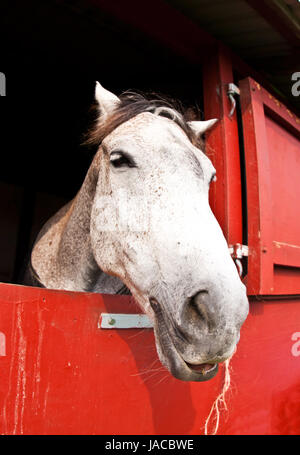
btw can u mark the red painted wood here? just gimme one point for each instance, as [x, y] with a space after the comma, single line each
[284, 116]
[272, 155]
[285, 254]
[63, 375]
[259, 196]
[222, 145]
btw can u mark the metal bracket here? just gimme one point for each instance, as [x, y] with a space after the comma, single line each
[238, 251]
[232, 90]
[124, 321]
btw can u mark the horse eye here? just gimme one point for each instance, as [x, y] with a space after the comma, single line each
[120, 159]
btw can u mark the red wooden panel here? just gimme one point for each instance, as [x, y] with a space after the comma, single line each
[222, 145]
[61, 374]
[272, 156]
[286, 254]
[284, 148]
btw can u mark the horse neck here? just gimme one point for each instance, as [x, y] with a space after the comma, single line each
[62, 256]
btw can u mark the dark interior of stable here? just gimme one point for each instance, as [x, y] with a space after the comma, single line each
[52, 56]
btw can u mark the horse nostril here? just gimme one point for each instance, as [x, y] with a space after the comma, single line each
[200, 297]
[198, 303]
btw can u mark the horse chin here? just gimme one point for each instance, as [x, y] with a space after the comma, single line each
[181, 369]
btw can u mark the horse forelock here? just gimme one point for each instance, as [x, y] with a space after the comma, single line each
[133, 104]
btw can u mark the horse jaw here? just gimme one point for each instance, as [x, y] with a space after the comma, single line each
[107, 101]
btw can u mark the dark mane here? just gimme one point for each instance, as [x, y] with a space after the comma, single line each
[131, 105]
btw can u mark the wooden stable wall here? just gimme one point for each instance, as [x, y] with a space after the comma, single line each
[62, 374]
[270, 146]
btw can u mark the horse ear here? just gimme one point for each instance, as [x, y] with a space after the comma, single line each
[200, 128]
[106, 100]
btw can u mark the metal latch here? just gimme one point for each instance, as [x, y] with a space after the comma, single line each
[232, 90]
[238, 251]
[124, 321]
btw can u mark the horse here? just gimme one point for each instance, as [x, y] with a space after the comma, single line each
[141, 223]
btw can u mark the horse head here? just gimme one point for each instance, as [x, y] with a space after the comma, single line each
[152, 226]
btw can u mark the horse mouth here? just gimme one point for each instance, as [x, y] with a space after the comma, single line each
[203, 368]
[198, 373]
[185, 371]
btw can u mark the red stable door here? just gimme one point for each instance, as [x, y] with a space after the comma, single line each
[62, 373]
[272, 159]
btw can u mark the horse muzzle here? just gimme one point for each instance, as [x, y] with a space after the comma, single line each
[186, 358]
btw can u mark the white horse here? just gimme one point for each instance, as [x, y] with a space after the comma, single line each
[142, 219]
